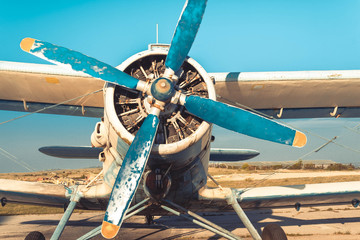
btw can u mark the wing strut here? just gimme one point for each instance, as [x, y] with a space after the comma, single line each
[202, 222]
[232, 200]
[75, 198]
[76, 195]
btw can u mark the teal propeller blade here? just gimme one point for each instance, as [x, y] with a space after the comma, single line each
[185, 32]
[78, 62]
[129, 175]
[242, 121]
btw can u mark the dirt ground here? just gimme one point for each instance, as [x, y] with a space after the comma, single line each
[330, 223]
[310, 223]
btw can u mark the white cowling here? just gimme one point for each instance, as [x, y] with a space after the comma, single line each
[115, 138]
[99, 136]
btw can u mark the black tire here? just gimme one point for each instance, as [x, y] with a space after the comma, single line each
[149, 219]
[35, 236]
[273, 231]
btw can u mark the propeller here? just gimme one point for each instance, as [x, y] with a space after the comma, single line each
[163, 92]
[130, 174]
[184, 36]
[79, 62]
[242, 121]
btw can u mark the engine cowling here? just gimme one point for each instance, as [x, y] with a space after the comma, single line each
[182, 140]
[178, 131]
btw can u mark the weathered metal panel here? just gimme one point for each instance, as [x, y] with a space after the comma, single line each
[297, 91]
[283, 196]
[33, 192]
[39, 83]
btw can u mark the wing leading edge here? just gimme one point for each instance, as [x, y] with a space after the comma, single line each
[33, 193]
[30, 87]
[212, 199]
[287, 196]
[297, 94]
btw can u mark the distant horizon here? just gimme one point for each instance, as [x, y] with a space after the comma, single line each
[250, 161]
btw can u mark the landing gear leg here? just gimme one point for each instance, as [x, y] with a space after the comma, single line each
[232, 200]
[75, 198]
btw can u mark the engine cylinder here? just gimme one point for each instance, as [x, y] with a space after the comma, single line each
[181, 136]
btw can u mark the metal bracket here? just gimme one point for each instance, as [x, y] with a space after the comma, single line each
[3, 201]
[355, 203]
[333, 113]
[25, 105]
[83, 110]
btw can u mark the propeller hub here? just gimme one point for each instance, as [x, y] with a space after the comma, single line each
[162, 89]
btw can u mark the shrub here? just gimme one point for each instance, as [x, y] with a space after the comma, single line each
[339, 167]
[309, 166]
[276, 167]
[245, 166]
[297, 165]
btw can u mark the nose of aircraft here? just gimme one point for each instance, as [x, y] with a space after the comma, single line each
[162, 89]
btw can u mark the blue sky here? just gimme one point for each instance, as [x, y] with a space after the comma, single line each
[234, 36]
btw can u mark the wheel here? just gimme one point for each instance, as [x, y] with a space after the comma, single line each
[35, 236]
[273, 231]
[4, 201]
[149, 219]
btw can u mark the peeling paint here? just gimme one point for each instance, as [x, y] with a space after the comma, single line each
[131, 171]
[52, 80]
[239, 120]
[185, 32]
[257, 86]
[334, 75]
[82, 63]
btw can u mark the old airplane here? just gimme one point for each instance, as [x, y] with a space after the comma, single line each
[154, 136]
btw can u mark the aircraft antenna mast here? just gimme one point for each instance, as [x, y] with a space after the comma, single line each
[157, 33]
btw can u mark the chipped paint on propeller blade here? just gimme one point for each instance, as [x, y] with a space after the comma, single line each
[242, 121]
[78, 62]
[129, 176]
[185, 32]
